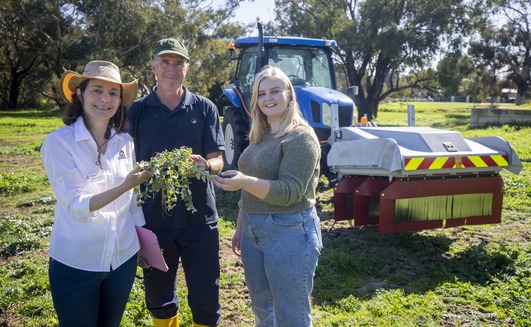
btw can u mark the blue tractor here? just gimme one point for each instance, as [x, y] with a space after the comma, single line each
[309, 65]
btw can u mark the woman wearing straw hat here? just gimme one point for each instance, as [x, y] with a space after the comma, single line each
[89, 163]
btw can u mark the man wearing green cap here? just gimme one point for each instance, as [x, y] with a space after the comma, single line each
[169, 118]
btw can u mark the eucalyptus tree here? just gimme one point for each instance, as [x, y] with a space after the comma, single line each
[506, 44]
[119, 31]
[32, 48]
[206, 32]
[380, 41]
[40, 39]
[451, 70]
[126, 32]
[486, 55]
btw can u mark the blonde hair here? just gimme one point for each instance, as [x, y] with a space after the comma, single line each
[292, 117]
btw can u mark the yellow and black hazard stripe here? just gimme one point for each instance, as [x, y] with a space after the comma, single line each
[457, 161]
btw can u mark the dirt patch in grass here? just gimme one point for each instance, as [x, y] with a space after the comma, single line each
[18, 164]
[9, 317]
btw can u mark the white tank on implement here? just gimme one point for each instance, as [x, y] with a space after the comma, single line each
[413, 151]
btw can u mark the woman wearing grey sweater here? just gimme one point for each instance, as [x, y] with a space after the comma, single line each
[278, 232]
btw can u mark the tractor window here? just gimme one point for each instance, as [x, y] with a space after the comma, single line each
[321, 69]
[303, 65]
[246, 73]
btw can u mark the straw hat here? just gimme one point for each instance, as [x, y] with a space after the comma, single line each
[98, 69]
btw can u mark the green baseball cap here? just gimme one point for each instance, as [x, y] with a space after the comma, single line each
[170, 45]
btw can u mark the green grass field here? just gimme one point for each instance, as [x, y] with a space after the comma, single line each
[463, 276]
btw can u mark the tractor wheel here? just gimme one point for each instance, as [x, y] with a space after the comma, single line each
[235, 130]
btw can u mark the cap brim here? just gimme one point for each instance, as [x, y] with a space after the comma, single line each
[171, 52]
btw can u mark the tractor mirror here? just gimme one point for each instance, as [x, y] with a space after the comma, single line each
[352, 90]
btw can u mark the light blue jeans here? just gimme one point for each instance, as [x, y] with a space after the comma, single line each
[279, 255]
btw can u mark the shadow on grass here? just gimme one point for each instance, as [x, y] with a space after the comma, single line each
[454, 122]
[227, 204]
[359, 261]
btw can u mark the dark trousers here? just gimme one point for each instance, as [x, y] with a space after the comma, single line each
[197, 247]
[88, 299]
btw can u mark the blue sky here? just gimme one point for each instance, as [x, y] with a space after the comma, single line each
[248, 11]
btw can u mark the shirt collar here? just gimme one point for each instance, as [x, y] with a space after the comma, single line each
[188, 98]
[187, 101]
[81, 132]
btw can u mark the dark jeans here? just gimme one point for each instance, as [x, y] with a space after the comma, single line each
[197, 247]
[86, 298]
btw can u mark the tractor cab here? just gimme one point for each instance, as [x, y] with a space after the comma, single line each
[308, 64]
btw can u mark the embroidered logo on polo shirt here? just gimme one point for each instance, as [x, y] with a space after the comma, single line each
[121, 155]
[193, 121]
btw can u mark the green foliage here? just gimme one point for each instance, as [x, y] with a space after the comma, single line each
[506, 289]
[372, 36]
[227, 204]
[452, 68]
[40, 310]
[22, 280]
[504, 46]
[387, 308]
[21, 234]
[69, 34]
[20, 150]
[172, 171]
[517, 189]
[136, 313]
[11, 184]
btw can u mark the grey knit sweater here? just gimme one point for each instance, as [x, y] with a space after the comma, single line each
[291, 164]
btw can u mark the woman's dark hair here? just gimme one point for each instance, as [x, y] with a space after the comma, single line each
[119, 121]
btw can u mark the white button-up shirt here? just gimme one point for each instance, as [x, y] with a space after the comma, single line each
[92, 241]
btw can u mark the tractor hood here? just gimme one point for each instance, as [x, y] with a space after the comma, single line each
[321, 94]
[319, 101]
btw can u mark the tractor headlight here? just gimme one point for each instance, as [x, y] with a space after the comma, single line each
[326, 114]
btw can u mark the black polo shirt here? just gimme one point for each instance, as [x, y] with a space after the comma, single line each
[194, 123]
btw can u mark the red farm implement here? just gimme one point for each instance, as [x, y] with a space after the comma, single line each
[414, 178]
